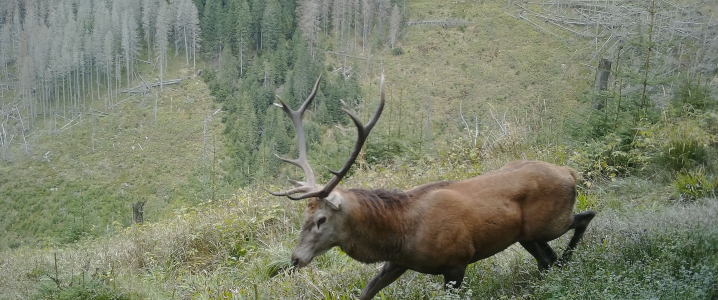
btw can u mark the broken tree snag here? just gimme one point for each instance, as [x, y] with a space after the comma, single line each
[138, 212]
[604, 69]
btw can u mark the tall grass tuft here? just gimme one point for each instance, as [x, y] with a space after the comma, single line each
[684, 154]
[694, 185]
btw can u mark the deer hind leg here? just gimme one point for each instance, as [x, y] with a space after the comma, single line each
[542, 252]
[388, 274]
[579, 225]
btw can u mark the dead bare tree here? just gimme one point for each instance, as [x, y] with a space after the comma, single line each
[494, 137]
[394, 25]
[473, 135]
[309, 21]
[5, 142]
[208, 137]
[25, 147]
[612, 23]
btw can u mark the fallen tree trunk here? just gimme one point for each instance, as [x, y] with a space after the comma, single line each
[146, 87]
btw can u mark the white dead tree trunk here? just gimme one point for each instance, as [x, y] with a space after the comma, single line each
[4, 143]
[24, 139]
[473, 135]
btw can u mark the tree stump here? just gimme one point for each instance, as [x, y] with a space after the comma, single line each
[604, 69]
[137, 212]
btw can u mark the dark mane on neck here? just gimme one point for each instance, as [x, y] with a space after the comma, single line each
[384, 204]
[380, 200]
[380, 221]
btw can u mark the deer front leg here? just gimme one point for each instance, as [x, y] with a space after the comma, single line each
[453, 276]
[388, 274]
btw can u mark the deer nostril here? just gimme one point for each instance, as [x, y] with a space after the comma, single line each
[295, 262]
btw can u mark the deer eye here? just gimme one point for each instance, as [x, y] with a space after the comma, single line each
[321, 221]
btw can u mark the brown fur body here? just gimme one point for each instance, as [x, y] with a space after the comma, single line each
[442, 224]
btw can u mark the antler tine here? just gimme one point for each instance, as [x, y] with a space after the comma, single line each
[296, 183]
[297, 162]
[301, 161]
[288, 193]
[311, 95]
[362, 134]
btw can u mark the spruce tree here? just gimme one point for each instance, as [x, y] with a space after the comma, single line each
[270, 25]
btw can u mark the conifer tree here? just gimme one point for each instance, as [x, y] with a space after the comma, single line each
[229, 73]
[257, 12]
[302, 72]
[208, 23]
[244, 29]
[244, 134]
[270, 24]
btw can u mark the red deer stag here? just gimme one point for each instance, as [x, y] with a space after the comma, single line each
[435, 228]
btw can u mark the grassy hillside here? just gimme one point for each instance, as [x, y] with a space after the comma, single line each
[84, 178]
[641, 244]
[488, 62]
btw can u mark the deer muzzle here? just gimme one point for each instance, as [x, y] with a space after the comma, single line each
[300, 259]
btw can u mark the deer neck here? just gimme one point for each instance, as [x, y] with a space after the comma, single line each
[376, 222]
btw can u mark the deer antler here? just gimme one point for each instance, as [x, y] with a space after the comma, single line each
[301, 161]
[310, 188]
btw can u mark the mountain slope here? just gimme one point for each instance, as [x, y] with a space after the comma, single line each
[84, 179]
[481, 61]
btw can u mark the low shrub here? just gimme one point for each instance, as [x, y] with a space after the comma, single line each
[83, 289]
[613, 156]
[695, 185]
[692, 96]
[683, 154]
[585, 201]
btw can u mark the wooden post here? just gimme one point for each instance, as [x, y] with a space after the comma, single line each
[604, 69]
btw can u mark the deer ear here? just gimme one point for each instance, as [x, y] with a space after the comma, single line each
[334, 200]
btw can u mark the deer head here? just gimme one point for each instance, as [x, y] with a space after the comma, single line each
[323, 218]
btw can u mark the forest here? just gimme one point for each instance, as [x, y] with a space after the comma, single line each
[109, 105]
[258, 49]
